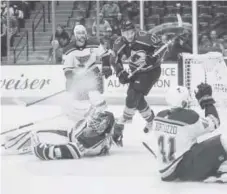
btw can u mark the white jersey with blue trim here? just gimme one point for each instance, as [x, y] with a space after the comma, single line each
[77, 57]
[176, 131]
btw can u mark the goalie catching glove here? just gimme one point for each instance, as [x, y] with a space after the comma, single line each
[204, 95]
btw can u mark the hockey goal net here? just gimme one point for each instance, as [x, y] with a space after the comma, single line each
[207, 68]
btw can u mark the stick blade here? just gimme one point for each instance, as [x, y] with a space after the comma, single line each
[19, 102]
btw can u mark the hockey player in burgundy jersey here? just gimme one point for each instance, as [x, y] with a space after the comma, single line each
[138, 47]
[176, 131]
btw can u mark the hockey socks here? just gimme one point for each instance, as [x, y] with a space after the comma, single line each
[127, 115]
[148, 115]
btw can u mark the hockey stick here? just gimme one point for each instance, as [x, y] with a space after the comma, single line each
[180, 24]
[44, 98]
[149, 149]
[30, 124]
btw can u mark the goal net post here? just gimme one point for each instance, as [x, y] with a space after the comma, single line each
[207, 68]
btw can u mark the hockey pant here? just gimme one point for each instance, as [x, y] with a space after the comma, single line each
[138, 88]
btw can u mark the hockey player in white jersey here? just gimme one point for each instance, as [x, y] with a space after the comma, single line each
[82, 75]
[176, 130]
[91, 135]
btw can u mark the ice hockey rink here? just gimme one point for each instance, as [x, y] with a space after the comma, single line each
[127, 170]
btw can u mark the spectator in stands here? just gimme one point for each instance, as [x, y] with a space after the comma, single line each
[110, 9]
[108, 33]
[25, 7]
[61, 40]
[225, 41]
[13, 23]
[60, 35]
[93, 5]
[129, 9]
[18, 15]
[216, 44]
[117, 22]
[204, 44]
[110, 36]
[3, 9]
[103, 26]
[3, 37]
[82, 5]
[181, 44]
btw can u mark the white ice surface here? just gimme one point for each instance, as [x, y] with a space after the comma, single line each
[128, 170]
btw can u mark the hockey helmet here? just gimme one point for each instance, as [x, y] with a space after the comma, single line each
[178, 97]
[128, 31]
[79, 28]
[127, 25]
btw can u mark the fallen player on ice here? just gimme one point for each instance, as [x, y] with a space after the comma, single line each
[93, 134]
[176, 130]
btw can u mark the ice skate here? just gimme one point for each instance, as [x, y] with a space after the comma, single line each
[220, 178]
[148, 127]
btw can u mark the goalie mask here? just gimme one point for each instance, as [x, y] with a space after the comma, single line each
[138, 58]
[178, 97]
[97, 124]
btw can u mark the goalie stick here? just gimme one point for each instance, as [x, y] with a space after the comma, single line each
[21, 102]
[180, 24]
[30, 124]
[45, 98]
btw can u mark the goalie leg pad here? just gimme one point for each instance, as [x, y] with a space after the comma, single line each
[19, 144]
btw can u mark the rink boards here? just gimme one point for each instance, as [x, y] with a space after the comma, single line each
[29, 83]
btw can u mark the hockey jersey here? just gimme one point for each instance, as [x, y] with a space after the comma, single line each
[143, 41]
[176, 131]
[76, 57]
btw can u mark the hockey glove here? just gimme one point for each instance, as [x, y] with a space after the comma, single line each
[118, 134]
[123, 77]
[107, 71]
[204, 95]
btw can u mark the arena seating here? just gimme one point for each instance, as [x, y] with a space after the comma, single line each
[156, 13]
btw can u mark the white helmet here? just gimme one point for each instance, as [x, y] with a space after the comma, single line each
[79, 28]
[178, 97]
